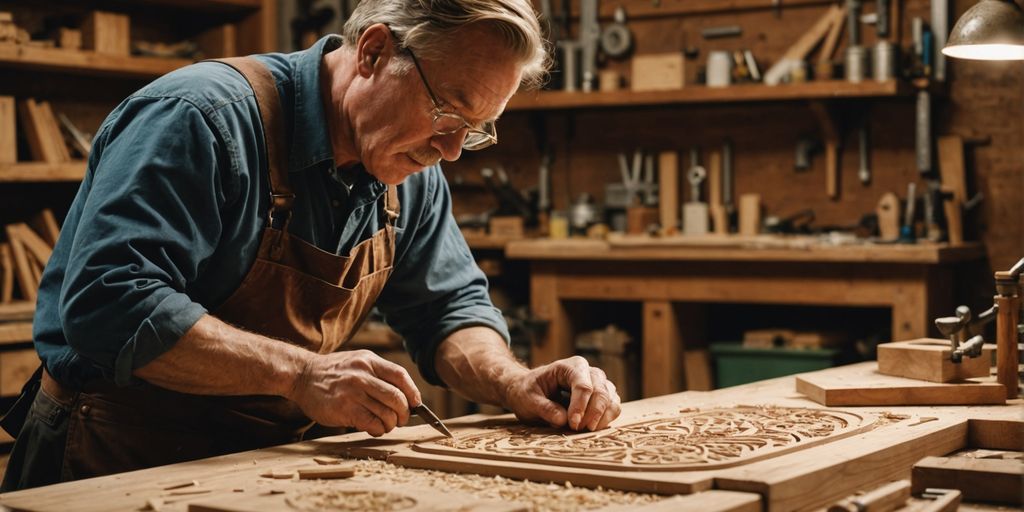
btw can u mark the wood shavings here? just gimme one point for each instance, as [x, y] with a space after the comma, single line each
[179, 485]
[278, 474]
[188, 492]
[923, 420]
[541, 496]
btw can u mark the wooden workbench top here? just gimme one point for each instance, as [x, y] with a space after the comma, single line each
[738, 248]
[791, 481]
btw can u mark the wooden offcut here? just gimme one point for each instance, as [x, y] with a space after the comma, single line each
[929, 359]
[750, 214]
[866, 386]
[8, 131]
[327, 473]
[668, 191]
[23, 265]
[988, 480]
[69, 38]
[954, 181]
[888, 211]
[658, 72]
[106, 32]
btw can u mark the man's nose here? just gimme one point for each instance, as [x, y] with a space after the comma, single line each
[450, 145]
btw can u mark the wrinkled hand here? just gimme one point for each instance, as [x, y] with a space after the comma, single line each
[356, 388]
[594, 404]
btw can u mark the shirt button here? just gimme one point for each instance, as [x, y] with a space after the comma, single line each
[85, 410]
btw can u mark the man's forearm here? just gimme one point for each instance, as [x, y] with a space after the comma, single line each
[214, 358]
[476, 363]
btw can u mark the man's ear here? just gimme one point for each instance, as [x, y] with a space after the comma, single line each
[373, 49]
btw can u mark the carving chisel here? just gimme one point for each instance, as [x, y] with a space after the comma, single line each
[428, 416]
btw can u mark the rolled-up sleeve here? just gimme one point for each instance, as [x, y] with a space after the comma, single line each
[149, 221]
[436, 287]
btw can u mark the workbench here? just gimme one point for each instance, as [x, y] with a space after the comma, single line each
[672, 277]
[799, 479]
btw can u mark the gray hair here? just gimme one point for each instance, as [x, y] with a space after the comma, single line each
[427, 25]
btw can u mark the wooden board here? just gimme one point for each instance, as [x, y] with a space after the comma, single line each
[54, 135]
[988, 480]
[34, 245]
[954, 180]
[691, 441]
[929, 359]
[868, 387]
[668, 190]
[8, 131]
[351, 497]
[23, 267]
[36, 132]
[707, 501]
[15, 332]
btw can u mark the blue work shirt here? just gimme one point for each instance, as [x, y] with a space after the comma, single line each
[168, 220]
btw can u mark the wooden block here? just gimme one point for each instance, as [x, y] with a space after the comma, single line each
[6, 273]
[988, 480]
[16, 366]
[888, 211]
[750, 214]
[22, 266]
[8, 131]
[56, 137]
[328, 473]
[668, 190]
[658, 72]
[929, 359]
[767, 338]
[609, 80]
[69, 38]
[639, 218]
[15, 332]
[865, 386]
[107, 32]
[506, 227]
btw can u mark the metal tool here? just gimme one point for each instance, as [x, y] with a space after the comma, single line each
[590, 39]
[882, 23]
[907, 230]
[616, 39]
[570, 64]
[958, 329]
[723, 31]
[428, 416]
[940, 27]
[923, 132]
[864, 173]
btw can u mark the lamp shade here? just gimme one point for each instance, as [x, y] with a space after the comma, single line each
[991, 30]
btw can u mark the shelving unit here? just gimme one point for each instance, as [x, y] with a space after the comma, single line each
[86, 62]
[41, 172]
[818, 90]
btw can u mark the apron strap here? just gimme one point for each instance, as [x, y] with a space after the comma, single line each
[391, 205]
[268, 102]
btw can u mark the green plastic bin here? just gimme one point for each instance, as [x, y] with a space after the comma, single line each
[737, 365]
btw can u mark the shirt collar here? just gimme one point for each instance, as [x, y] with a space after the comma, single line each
[310, 140]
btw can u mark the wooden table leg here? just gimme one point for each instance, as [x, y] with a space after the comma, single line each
[557, 342]
[668, 330]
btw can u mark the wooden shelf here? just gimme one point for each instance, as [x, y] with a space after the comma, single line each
[762, 248]
[822, 89]
[86, 62]
[204, 5]
[39, 172]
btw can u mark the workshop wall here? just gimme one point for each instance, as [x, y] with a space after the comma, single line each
[983, 100]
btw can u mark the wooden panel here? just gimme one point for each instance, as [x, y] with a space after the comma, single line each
[987, 480]
[867, 387]
[15, 368]
[929, 359]
[8, 131]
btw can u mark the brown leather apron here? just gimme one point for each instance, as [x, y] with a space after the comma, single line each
[294, 292]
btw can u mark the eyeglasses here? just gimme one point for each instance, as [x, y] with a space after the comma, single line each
[447, 123]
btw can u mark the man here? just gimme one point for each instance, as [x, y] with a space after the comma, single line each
[236, 225]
